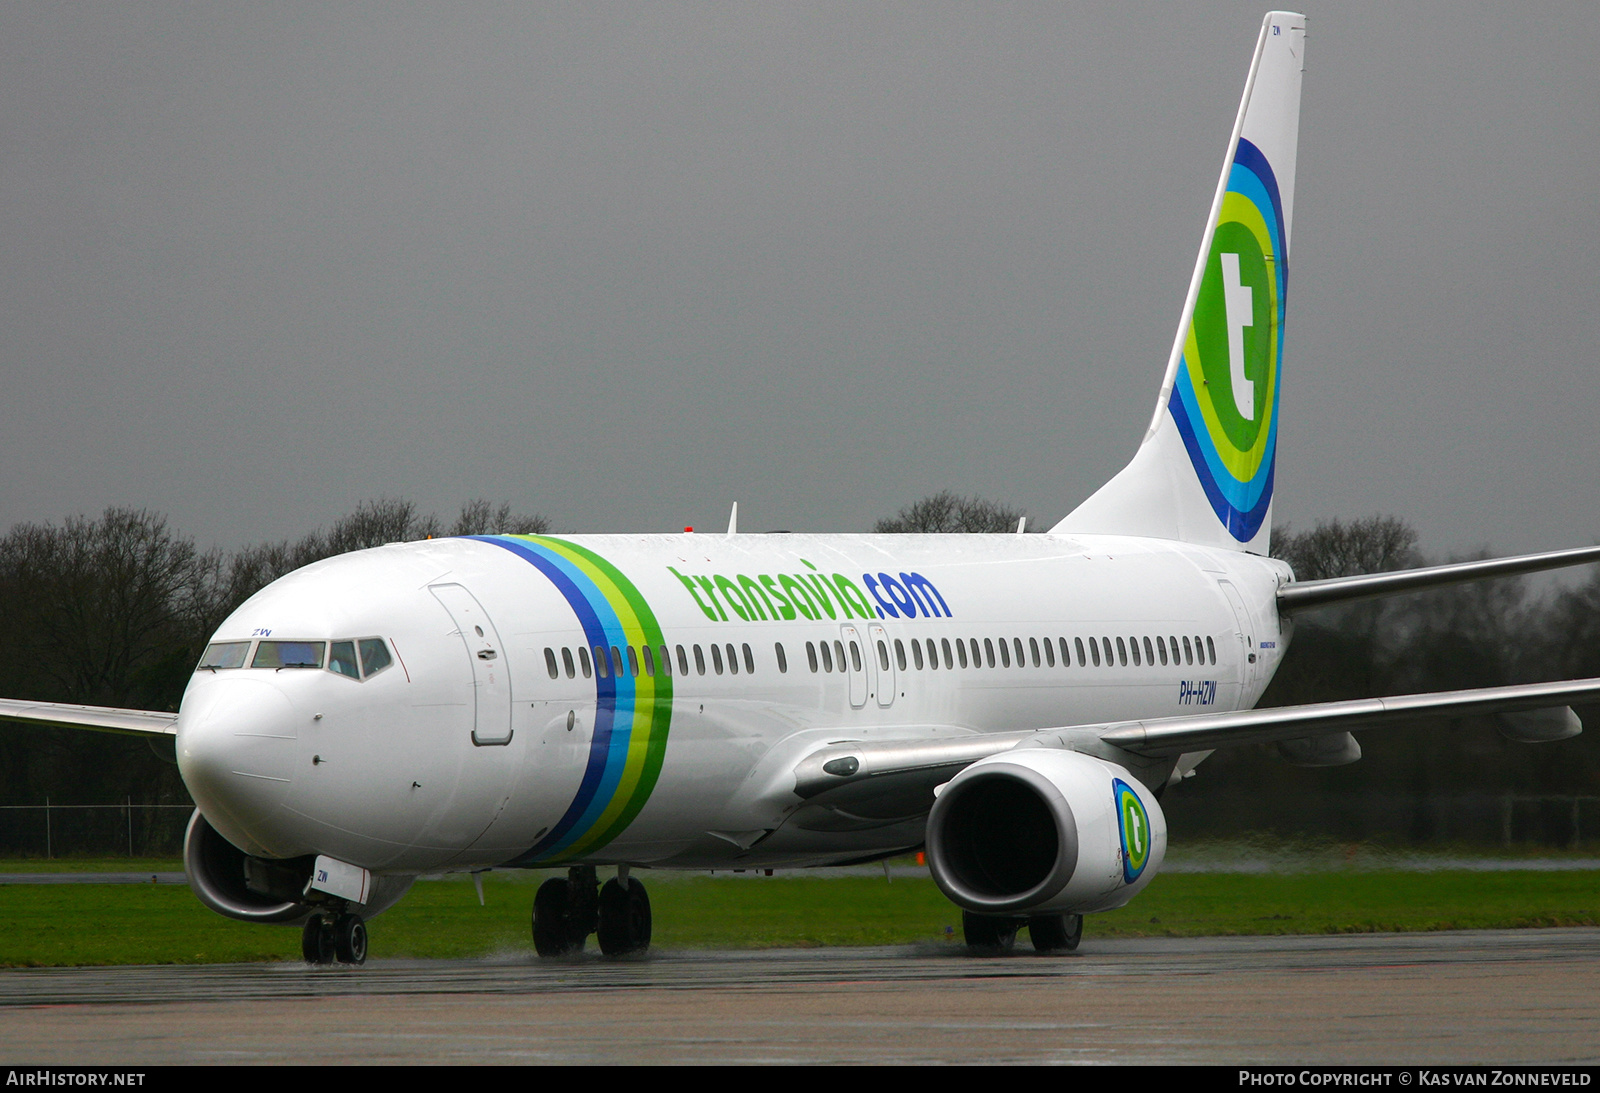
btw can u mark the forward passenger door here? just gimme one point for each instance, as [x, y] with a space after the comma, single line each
[490, 676]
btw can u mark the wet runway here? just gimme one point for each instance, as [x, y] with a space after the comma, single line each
[1523, 996]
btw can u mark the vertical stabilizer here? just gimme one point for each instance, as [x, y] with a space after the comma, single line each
[1205, 471]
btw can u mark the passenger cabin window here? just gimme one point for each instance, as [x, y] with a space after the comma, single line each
[583, 659]
[749, 659]
[783, 659]
[916, 653]
[700, 660]
[289, 654]
[566, 661]
[549, 661]
[716, 657]
[224, 654]
[1212, 650]
[811, 654]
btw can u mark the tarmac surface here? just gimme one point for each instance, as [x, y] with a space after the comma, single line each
[1515, 996]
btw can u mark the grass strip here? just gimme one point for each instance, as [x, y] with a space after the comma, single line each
[88, 924]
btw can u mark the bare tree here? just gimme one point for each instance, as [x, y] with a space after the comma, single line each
[948, 512]
[384, 520]
[479, 518]
[1334, 548]
[102, 611]
[94, 607]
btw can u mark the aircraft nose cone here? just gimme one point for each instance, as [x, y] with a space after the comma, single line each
[236, 740]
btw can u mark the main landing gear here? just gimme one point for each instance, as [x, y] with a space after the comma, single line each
[994, 935]
[566, 912]
[329, 938]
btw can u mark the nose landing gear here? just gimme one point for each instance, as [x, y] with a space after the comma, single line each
[566, 912]
[327, 938]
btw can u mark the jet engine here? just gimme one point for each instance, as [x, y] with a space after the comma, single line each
[1040, 830]
[253, 889]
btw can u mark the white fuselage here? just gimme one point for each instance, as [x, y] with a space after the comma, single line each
[509, 746]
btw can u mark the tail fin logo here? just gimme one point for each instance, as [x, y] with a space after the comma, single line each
[1225, 398]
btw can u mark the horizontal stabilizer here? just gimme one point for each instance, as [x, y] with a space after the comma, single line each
[61, 715]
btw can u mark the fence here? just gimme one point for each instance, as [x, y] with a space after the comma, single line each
[127, 829]
[1507, 820]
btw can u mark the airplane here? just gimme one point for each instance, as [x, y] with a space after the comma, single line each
[1014, 704]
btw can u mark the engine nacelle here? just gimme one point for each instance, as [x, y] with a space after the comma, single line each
[253, 889]
[1040, 830]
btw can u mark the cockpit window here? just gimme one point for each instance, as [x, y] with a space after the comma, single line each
[342, 659]
[288, 654]
[224, 654]
[374, 656]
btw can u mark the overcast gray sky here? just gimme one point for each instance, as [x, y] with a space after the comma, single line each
[623, 264]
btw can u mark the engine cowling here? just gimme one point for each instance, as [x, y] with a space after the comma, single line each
[253, 889]
[1040, 830]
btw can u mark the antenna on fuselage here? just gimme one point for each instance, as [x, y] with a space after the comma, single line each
[733, 520]
[1022, 524]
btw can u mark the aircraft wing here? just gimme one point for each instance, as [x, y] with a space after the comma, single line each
[1175, 735]
[863, 784]
[1303, 595]
[61, 715]
[896, 778]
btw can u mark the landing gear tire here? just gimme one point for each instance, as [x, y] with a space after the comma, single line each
[350, 939]
[990, 935]
[316, 941]
[624, 925]
[566, 912]
[1055, 933]
[551, 933]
